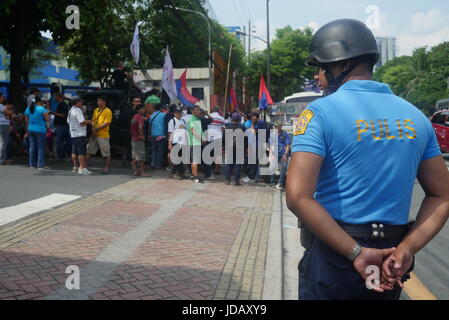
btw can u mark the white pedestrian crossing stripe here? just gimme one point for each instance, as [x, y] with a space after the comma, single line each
[20, 211]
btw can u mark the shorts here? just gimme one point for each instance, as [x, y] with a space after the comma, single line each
[96, 143]
[138, 150]
[195, 154]
[79, 146]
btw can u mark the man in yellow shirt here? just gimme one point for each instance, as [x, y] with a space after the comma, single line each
[99, 139]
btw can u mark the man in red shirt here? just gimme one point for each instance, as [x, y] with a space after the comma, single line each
[138, 141]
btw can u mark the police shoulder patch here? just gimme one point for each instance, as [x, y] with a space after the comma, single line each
[302, 122]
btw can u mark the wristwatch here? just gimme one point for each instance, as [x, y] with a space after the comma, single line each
[355, 252]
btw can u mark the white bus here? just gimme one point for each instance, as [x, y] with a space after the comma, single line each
[291, 108]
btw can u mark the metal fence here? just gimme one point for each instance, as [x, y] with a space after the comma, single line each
[44, 88]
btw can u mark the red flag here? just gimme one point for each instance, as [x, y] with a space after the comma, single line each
[234, 102]
[183, 93]
[264, 95]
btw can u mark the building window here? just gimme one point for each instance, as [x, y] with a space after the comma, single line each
[198, 93]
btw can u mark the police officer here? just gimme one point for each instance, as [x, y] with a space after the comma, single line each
[356, 155]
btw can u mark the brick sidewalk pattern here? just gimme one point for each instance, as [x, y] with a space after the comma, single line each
[151, 238]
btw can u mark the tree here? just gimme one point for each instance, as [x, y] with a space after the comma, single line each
[100, 43]
[289, 51]
[185, 33]
[21, 24]
[399, 78]
[421, 78]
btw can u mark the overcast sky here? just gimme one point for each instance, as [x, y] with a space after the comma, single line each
[414, 23]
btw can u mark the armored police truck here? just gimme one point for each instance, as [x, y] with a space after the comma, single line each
[119, 101]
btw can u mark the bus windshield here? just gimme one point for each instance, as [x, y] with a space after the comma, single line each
[302, 99]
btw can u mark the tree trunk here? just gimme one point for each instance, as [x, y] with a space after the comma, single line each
[18, 37]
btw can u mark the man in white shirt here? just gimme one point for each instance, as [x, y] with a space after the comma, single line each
[77, 123]
[177, 141]
[215, 132]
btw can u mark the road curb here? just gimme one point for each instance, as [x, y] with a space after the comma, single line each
[273, 279]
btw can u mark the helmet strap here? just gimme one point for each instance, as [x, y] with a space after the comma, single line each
[335, 83]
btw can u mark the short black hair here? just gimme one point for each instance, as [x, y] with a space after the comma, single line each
[102, 98]
[54, 89]
[254, 114]
[368, 60]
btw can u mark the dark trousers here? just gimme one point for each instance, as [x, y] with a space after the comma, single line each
[252, 171]
[4, 141]
[324, 274]
[231, 167]
[63, 142]
[178, 168]
[158, 153]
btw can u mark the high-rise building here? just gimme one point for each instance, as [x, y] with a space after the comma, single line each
[387, 49]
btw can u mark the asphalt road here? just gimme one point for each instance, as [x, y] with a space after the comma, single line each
[432, 263]
[19, 183]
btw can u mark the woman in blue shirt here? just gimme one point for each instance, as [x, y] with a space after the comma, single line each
[37, 119]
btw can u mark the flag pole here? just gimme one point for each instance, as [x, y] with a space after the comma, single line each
[227, 82]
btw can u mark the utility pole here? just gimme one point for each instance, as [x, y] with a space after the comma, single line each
[244, 39]
[268, 48]
[249, 41]
[249, 61]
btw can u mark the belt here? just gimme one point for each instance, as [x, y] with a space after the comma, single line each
[376, 231]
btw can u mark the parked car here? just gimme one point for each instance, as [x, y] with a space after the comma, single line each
[440, 123]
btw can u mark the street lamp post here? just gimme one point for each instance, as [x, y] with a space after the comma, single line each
[210, 46]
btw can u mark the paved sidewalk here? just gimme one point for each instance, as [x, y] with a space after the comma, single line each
[150, 238]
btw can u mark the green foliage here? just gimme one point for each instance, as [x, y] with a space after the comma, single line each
[95, 50]
[399, 77]
[106, 31]
[100, 43]
[289, 51]
[421, 79]
[439, 59]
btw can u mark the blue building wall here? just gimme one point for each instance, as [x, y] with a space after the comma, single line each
[47, 71]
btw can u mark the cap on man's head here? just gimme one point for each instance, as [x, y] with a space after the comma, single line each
[154, 100]
[177, 109]
[216, 109]
[236, 117]
[76, 99]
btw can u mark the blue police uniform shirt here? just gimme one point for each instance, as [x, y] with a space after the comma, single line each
[372, 143]
[158, 125]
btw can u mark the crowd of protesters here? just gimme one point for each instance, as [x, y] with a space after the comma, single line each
[157, 133]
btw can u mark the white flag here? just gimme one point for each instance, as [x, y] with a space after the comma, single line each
[135, 45]
[168, 78]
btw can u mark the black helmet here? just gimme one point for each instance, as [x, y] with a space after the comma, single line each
[340, 40]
